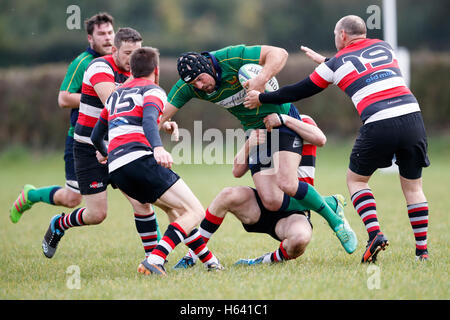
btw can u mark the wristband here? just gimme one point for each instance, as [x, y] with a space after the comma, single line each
[281, 118]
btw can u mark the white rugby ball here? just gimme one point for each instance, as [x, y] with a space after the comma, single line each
[250, 71]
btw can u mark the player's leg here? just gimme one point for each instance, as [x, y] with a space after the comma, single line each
[417, 206]
[300, 195]
[374, 148]
[411, 158]
[180, 198]
[296, 230]
[145, 222]
[93, 180]
[286, 164]
[238, 200]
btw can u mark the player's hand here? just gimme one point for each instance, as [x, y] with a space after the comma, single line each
[100, 158]
[162, 157]
[272, 121]
[257, 137]
[314, 56]
[171, 127]
[257, 83]
[251, 100]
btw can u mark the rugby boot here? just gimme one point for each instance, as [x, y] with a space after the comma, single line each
[374, 246]
[214, 266]
[423, 256]
[252, 262]
[52, 238]
[21, 204]
[344, 232]
[149, 268]
[186, 262]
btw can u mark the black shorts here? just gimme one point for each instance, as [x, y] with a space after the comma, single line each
[144, 179]
[269, 219]
[92, 176]
[378, 142]
[284, 139]
[69, 165]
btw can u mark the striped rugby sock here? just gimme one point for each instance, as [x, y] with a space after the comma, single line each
[208, 226]
[198, 246]
[277, 256]
[73, 219]
[418, 217]
[146, 227]
[364, 203]
[171, 238]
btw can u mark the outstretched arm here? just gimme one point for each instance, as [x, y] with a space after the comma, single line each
[290, 93]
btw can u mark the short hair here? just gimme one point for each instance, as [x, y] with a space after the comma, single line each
[126, 35]
[352, 25]
[143, 61]
[98, 19]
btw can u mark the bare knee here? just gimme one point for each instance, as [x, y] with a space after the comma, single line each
[94, 216]
[296, 245]
[229, 197]
[67, 198]
[288, 185]
[73, 200]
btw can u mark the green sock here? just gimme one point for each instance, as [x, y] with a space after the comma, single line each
[44, 194]
[158, 232]
[308, 196]
[297, 205]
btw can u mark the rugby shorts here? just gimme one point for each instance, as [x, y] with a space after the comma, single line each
[92, 176]
[378, 142]
[260, 157]
[144, 179]
[269, 219]
[69, 166]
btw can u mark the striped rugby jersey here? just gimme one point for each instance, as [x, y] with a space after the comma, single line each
[368, 72]
[307, 167]
[123, 113]
[102, 69]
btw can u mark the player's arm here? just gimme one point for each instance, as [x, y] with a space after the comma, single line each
[290, 93]
[68, 99]
[273, 59]
[240, 164]
[169, 112]
[153, 107]
[98, 136]
[307, 131]
[104, 90]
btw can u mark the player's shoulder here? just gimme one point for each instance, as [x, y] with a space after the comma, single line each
[81, 62]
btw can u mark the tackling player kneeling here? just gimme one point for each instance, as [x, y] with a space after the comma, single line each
[140, 166]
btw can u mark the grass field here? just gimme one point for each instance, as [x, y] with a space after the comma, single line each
[107, 255]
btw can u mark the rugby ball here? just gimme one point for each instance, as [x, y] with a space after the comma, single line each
[250, 71]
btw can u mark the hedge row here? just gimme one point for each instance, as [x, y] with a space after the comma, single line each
[31, 116]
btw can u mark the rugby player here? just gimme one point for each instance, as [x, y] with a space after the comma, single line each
[367, 71]
[100, 35]
[213, 76]
[293, 229]
[99, 81]
[140, 166]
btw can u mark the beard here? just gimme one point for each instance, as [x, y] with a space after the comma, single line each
[102, 49]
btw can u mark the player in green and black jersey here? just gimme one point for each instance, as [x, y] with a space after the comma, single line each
[213, 76]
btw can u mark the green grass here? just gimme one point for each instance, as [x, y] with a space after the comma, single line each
[108, 254]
